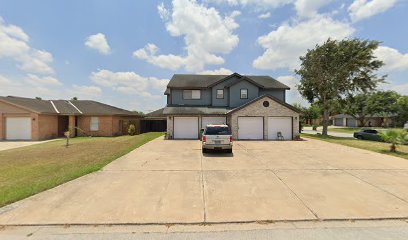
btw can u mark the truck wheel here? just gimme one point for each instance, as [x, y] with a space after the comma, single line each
[360, 137]
[204, 150]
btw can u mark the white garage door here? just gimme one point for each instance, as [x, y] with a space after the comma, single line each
[250, 127]
[212, 120]
[280, 124]
[186, 127]
[18, 128]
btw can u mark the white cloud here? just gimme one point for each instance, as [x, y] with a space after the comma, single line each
[98, 42]
[362, 9]
[45, 81]
[87, 91]
[14, 45]
[158, 84]
[292, 96]
[220, 71]
[264, 15]
[4, 80]
[205, 32]
[128, 82]
[108, 78]
[261, 4]
[163, 11]
[288, 42]
[170, 61]
[393, 59]
[401, 89]
[307, 8]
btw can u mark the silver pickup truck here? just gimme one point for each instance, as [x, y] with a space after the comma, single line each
[217, 137]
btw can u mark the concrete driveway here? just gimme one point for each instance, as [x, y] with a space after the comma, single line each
[173, 182]
[5, 145]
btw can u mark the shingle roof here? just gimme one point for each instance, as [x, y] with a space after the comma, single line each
[195, 110]
[96, 108]
[65, 107]
[157, 113]
[205, 81]
[35, 105]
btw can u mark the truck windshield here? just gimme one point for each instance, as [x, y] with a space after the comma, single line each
[217, 131]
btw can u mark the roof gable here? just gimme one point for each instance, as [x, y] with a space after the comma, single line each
[267, 96]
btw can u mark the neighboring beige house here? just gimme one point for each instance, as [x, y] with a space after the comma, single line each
[345, 120]
[35, 119]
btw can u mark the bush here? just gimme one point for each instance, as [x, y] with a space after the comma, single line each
[395, 138]
[314, 127]
[132, 130]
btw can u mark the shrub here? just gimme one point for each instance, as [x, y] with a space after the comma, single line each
[314, 127]
[132, 130]
[394, 137]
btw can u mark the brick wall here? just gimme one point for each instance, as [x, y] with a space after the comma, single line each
[257, 109]
[47, 126]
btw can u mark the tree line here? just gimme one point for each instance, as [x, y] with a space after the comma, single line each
[340, 76]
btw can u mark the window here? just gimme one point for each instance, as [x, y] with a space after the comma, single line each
[220, 93]
[265, 104]
[191, 94]
[94, 124]
[244, 93]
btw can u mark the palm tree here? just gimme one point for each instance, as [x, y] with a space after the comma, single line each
[394, 137]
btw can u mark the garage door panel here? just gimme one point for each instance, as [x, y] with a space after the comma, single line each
[18, 128]
[185, 127]
[250, 128]
[212, 120]
[280, 124]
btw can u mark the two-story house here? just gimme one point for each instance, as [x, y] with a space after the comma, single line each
[253, 106]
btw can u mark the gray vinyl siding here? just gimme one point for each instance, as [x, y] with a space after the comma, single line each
[177, 98]
[220, 102]
[235, 93]
[278, 93]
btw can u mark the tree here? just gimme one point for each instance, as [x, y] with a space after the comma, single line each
[38, 98]
[383, 103]
[357, 106]
[74, 99]
[402, 110]
[313, 112]
[337, 69]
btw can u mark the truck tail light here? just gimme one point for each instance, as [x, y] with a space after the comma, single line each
[231, 139]
[204, 138]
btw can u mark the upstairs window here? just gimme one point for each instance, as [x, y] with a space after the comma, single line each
[94, 124]
[220, 93]
[244, 93]
[191, 94]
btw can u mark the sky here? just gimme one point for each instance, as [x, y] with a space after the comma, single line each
[123, 52]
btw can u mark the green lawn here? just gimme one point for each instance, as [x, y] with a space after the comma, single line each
[29, 170]
[352, 130]
[380, 147]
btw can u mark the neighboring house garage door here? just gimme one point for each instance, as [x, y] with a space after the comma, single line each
[185, 127]
[351, 122]
[212, 120]
[280, 124]
[18, 128]
[250, 127]
[338, 122]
